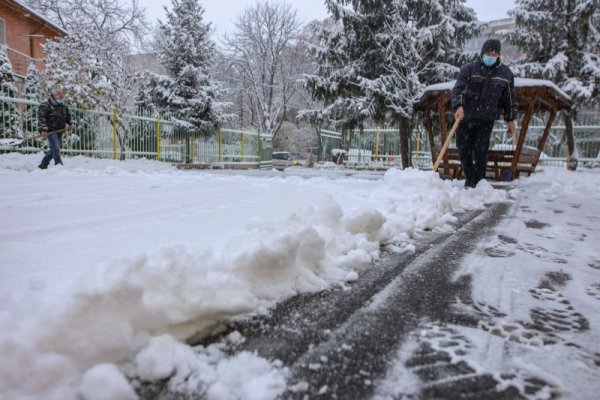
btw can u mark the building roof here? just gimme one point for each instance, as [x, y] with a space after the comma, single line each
[31, 11]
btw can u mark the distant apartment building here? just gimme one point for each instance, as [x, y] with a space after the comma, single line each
[144, 62]
[23, 31]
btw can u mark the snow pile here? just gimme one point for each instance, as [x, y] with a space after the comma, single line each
[208, 371]
[64, 346]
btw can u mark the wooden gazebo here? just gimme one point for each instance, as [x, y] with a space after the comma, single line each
[533, 96]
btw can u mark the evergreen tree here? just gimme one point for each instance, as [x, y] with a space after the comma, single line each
[9, 126]
[560, 41]
[34, 92]
[379, 54]
[142, 133]
[34, 85]
[187, 91]
[6, 74]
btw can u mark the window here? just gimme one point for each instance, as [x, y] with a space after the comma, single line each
[2, 32]
[281, 156]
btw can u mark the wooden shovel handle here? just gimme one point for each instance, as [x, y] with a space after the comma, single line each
[445, 146]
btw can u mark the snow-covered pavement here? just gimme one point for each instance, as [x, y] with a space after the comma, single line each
[534, 302]
[104, 264]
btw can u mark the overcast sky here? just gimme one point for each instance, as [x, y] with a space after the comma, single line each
[222, 13]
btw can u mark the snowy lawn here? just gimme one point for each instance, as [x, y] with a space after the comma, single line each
[106, 265]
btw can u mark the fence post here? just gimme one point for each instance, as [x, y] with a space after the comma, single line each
[260, 152]
[377, 133]
[192, 149]
[158, 137]
[242, 146]
[114, 128]
[320, 149]
[219, 138]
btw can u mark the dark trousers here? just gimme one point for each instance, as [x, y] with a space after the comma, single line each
[55, 141]
[472, 141]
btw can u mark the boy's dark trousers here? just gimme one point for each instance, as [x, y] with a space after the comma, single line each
[472, 141]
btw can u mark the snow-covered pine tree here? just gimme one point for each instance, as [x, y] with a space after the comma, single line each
[560, 41]
[153, 91]
[34, 91]
[9, 124]
[6, 73]
[34, 85]
[185, 50]
[142, 134]
[374, 60]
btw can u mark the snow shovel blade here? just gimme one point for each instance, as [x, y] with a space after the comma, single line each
[13, 142]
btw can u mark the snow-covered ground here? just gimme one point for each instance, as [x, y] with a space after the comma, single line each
[106, 265]
[536, 293]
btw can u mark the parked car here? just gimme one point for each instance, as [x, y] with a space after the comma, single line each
[283, 159]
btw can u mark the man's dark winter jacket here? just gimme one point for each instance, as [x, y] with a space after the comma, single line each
[53, 116]
[485, 93]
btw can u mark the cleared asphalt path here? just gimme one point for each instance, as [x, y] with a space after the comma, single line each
[339, 342]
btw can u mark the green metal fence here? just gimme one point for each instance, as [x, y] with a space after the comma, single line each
[328, 140]
[119, 135]
[375, 147]
[587, 143]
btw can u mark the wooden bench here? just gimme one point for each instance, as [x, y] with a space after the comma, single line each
[499, 165]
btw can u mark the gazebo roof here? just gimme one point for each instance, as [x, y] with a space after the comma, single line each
[546, 92]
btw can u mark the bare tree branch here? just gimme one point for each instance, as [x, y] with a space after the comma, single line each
[260, 47]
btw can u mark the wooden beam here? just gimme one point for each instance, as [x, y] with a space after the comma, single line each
[442, 116]
[551, 118]
[546, 100]
[429, 127]
[521, 141]
[571, 165]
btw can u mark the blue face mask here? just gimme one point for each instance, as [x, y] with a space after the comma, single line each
[59, 101]
[489, 61]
